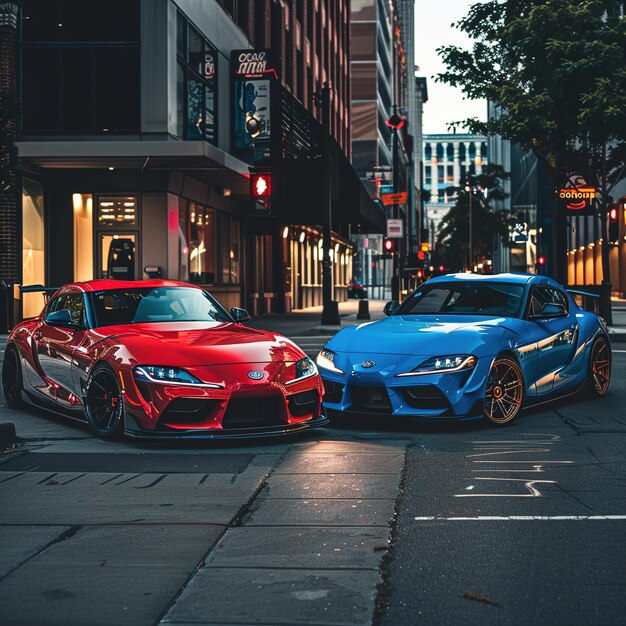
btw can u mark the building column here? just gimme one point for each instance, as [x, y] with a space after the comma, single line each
[10, 190]
[456, 165]
[478, 159]
[444, 145]
[434, 172]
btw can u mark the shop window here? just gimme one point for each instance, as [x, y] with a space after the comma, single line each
[83, 236]
[33, 245]
[209, 245]
[197, 80]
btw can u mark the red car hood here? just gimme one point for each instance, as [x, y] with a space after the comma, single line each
[200, 343]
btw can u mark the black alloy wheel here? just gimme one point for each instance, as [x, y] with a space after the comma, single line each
[12, 378]
[505, 391]
[104, 403]
[599, 368]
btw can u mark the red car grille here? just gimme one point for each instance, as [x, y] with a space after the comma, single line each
[303, 403]
[253, 412]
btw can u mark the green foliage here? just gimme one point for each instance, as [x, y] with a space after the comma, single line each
[487, 225]
[556, 70]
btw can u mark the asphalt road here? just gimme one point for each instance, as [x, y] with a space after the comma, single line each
[354, 524]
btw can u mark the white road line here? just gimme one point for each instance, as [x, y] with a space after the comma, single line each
[618, 350]
[523, 518]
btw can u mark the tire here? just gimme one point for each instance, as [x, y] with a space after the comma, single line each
[505, 391]
[104, 404]
[12, 381]
[599, 376]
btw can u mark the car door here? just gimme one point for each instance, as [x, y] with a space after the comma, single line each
[556, 331]
[63, 327]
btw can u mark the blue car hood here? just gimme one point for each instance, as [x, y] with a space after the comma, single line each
[431, 335]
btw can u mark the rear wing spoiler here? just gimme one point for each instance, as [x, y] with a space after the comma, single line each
[586, 300]
[47, 292]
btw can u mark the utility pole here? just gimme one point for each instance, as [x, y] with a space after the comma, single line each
[330, 312]
[395, 122]
[470, 192]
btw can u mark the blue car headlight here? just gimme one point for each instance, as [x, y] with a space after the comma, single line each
[164, 374]
[304, 368]
[443, 365]
[326, 359]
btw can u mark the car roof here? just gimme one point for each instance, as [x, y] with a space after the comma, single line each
[519, 279]
[109, 284]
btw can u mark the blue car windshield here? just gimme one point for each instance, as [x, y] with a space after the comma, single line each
[465, 298]
[160, 304]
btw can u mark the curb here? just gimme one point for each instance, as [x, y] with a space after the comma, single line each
[8, 437]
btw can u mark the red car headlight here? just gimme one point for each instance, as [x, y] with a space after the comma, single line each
[163, 374]
[304, 368]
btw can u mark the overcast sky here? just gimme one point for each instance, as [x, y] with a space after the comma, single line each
[432, 29]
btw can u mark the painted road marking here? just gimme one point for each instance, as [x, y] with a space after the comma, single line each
[523, 518]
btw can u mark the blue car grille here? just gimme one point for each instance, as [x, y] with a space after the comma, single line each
[332, 391]
[425, 397]
[372, 399]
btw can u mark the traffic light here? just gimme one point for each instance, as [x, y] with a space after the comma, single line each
[613, 218]
[388, 246]
[540, 265]
[261, 189]
[261, 185]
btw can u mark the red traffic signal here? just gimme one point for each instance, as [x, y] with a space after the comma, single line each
[613, 214]
[261, 185]
[541, 260]
[388, 245]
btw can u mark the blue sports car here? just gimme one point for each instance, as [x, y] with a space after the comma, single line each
[466, 346]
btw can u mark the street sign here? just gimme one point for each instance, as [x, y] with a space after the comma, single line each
[384, 189]
[398, 197]
[395, 229]
[577, 197]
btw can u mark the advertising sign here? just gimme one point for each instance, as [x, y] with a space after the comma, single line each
[576, 197]
[252, 76]
[399, 197]
[395, 228]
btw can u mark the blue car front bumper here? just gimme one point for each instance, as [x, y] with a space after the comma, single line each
[378, 390]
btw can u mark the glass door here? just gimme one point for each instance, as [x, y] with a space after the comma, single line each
[117, 255]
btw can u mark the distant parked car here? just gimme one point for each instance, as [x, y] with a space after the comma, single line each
[467, 346]
[356, 289]
[159, 359]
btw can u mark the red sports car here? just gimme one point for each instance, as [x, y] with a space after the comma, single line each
[159, 358]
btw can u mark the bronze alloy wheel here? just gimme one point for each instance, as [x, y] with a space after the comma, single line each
[505, 391]
[600, 367]
[104, 404]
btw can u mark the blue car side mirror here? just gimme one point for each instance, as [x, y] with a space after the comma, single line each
[390, 307]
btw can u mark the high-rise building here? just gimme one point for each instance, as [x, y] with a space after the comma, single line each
[448, 160]
[383, 84]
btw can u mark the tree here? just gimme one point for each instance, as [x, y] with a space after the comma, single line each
[453, 238]
[556, 70]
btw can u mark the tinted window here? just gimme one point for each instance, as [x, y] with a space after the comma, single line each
[162, 304]
[470, 298]
[81, 89]
[541, 296]
[80, 20]
[74, 303]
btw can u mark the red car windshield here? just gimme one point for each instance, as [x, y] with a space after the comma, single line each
[160, 304]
